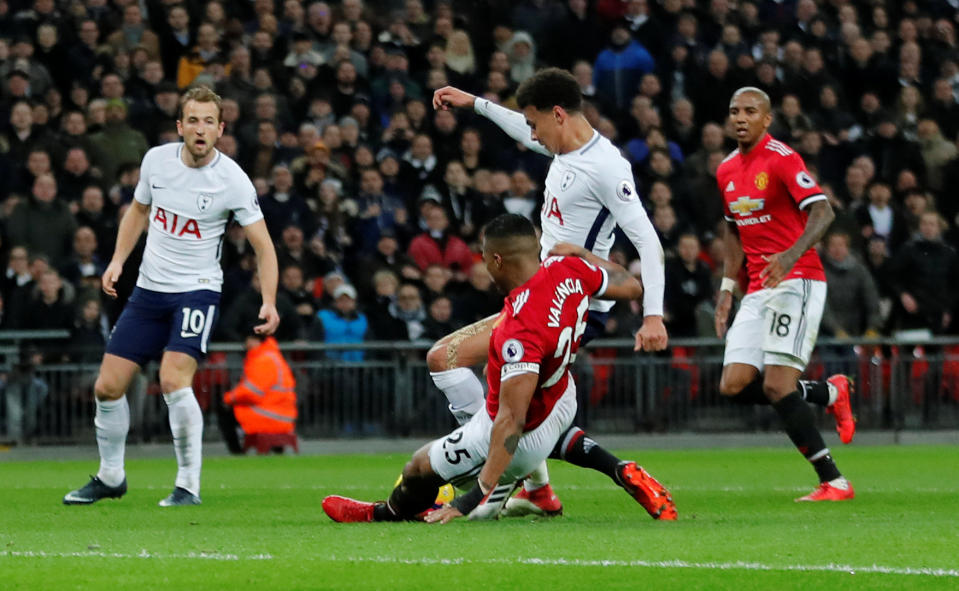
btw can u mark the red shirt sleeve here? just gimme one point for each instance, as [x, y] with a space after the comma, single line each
[594, 278]
[801, 186]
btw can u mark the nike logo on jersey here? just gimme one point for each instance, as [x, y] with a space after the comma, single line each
[188, 335]
[730, 186]
[157, 187]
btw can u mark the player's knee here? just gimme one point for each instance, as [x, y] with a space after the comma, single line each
[438, 356]
[108, 388]
[775, 391]
[730, 386]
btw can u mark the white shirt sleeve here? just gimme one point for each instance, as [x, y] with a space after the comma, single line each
[246, 206]
[513, 123]
[619, 195]
[142, 191]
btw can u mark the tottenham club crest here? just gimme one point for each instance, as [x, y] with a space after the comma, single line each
[625, 191]
[568, 177]
[512, 351]
[204, 201]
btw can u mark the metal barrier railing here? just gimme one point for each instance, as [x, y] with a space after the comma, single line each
[900, 385]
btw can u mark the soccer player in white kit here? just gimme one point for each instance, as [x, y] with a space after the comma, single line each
[187, 194]
[589, 190]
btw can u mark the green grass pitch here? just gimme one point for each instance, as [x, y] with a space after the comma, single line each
[261, 527]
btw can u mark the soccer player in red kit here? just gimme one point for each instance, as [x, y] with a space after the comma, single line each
[532, 396]
[775, 214]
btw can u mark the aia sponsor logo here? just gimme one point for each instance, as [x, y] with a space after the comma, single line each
[176, 225]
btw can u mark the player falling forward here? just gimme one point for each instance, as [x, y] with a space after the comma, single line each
[588, 191]
[186, 195]
[775, 214]
[532, 396]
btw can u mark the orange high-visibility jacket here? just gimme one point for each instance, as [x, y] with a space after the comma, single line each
[265, 399]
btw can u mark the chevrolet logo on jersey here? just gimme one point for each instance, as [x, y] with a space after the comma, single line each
[746, 205]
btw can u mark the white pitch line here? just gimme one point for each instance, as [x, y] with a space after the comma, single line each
[739, 565]
[141, 554]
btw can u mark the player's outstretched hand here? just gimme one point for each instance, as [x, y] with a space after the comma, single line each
[652, 335]
[270, 318]
[450, 96]
[444, 514]
[724, 304]
[565, 249]
[110, 277]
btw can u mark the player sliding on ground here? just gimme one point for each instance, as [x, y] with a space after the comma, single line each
[532, 396]
[775, 214]
[589, 190]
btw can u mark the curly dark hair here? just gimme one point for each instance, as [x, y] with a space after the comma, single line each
[550, 87]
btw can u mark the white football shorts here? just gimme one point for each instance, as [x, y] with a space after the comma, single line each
[777, 326]
[460, 456]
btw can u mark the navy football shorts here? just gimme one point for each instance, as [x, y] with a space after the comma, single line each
[153, 322]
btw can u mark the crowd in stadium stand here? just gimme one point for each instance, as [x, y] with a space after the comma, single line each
[375, 200]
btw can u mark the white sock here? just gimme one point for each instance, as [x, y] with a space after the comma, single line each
[841, 483]
[112, 422]
[833, 393]
[186, 424]
[538, 478]
[463, 390]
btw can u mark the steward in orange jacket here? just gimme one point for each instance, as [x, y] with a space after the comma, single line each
[265, 399]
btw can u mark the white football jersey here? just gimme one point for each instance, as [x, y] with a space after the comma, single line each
[588, 193]
[189, 211]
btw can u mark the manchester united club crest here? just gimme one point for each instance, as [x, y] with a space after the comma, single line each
[204, 201]
[762, 181]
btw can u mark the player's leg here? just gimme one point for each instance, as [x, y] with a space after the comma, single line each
[137, 337]
[186, 424]
[111, 422]
[740, 381]
[193, 316]
[457, 458]
[578, 448]
[450, 361]
[537, 496]
[791, 318]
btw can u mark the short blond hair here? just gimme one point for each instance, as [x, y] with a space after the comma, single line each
[202, 94]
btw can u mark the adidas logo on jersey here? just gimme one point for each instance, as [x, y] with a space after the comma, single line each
[730, 186]
[520, 302]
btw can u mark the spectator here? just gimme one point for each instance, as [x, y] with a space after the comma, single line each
[439, 321]
[384, 325]
[43, 223]
[88, 337]
[77, 175]
[341, 324]
[282, 206]
[51, 306]
[408, 309]
[246, 305]
[117, 142]
[293, 285]
[924, 272]
[852, 302]
[377, 212]
[619, 67]
[84, 268]
[881, 218]
[689, 283]
[438, 246]
[134, 32]
[24, 393]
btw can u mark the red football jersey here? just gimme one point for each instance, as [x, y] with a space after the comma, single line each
[539, 329]
[765, 193]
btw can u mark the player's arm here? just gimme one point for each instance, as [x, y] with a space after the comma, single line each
[619, 195]
[514, 398]
[132, 224]
[268, 269]
[620, 285]
[732, 263]
[513, 123]
[779, 264]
